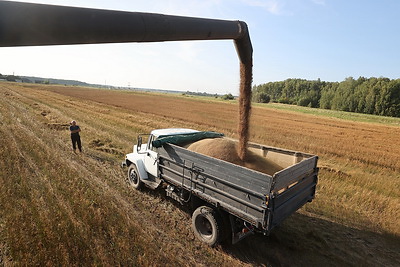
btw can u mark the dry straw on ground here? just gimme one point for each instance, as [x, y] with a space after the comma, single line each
[57, 208]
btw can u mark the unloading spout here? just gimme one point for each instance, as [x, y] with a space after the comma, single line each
[27, 24]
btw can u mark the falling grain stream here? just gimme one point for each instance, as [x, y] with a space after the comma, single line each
[246, 76]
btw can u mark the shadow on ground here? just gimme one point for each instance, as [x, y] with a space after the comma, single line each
[307, 241]
[303, 240]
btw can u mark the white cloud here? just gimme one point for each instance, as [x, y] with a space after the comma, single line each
[272, 6]
[188, 8]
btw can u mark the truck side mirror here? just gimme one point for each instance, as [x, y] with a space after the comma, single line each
[139, 143]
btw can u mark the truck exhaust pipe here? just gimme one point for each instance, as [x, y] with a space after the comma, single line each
[27, 24]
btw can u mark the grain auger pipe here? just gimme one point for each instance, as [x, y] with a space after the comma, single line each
[26, 24]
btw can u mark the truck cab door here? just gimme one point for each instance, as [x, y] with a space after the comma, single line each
[151, 159]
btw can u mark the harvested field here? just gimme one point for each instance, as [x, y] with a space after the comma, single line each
[59, 208]
[356, 142]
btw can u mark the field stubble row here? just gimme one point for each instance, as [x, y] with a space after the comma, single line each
[359, 179]
[371, 144]
[366, 153]
[61, 208]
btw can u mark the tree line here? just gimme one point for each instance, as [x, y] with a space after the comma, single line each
[9, 78]
[379, 96]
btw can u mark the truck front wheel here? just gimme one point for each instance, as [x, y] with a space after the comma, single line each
[134, 177]
[207, 225]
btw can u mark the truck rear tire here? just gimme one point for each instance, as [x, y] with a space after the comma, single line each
[207, 226]
[134, 177]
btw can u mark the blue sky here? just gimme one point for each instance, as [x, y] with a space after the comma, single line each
[308, 39]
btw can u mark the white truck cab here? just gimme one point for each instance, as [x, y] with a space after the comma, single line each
[143, 161]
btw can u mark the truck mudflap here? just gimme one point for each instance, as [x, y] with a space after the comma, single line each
[240, 229]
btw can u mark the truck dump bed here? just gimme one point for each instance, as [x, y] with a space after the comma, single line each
[258, 198]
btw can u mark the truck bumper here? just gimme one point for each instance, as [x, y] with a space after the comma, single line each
[123, 164]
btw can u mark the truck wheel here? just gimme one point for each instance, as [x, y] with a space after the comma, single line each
[206, 225]
[133, 177]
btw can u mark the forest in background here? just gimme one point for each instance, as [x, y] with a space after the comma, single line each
[378, 96]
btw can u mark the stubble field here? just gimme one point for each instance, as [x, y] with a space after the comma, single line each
[61, 208]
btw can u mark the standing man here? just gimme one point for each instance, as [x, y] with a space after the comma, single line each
[75, 137]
